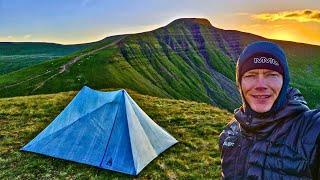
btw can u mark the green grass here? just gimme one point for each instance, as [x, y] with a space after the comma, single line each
[15, 56]
[16, 62]
[195, 125]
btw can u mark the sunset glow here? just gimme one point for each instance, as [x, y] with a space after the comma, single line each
[81, 21]
[300, 16]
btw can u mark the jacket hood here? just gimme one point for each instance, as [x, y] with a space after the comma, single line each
[262, 125]
[277, 52]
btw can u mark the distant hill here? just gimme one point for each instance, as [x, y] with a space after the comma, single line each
[195, 125]
[17, 55]
[187, 59]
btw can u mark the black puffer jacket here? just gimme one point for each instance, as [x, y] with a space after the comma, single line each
[284, 145]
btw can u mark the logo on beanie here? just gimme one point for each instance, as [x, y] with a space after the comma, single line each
[264, 60]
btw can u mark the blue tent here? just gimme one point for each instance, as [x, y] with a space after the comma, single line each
[104, 129]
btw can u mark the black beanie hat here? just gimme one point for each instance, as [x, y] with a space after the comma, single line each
[264, 55]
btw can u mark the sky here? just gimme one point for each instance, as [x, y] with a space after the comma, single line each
[81, 21]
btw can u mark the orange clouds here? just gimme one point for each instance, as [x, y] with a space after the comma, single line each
[294, 25]
[299, 15]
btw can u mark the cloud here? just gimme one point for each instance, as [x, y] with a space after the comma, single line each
[242, 14]
[262, 26]
[299, 15]
[27, 36]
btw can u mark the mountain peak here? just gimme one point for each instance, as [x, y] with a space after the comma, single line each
[188, 21]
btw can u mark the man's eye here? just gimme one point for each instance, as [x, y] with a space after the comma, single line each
[249, 75]
[273, 74]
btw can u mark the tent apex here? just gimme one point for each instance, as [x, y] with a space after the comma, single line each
[85, 87]
[123, 90]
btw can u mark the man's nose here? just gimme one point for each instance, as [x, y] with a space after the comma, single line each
[261, 84]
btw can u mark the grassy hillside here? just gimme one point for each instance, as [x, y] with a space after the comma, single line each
[195, 125]
[14, 56]
[304, 63]
[149, 63]
[187, 59]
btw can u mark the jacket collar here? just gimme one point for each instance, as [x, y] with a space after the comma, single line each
[261, 125]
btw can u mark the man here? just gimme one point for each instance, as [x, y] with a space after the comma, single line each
[274, 135]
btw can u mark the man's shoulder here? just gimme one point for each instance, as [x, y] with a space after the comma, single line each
[311, 125]
[313, 114]
[231, 128]
[311, 118]
[229, 134]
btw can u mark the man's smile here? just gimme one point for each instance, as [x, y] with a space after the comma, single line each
[261, 96]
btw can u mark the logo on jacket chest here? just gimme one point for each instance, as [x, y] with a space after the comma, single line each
[228, 143]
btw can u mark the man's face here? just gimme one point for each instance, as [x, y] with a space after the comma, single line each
[260, 88]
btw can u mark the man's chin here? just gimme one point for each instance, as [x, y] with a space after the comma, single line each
[261, 109]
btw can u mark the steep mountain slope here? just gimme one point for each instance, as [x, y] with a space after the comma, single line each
[17, 55]
[304, 63]
[187, 59]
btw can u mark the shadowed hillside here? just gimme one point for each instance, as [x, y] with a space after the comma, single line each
[187, 59]
[195, 125]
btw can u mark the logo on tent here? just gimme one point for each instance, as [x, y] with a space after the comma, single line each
[109, 163]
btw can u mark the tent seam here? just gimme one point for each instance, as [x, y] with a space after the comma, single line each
[115, 118]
